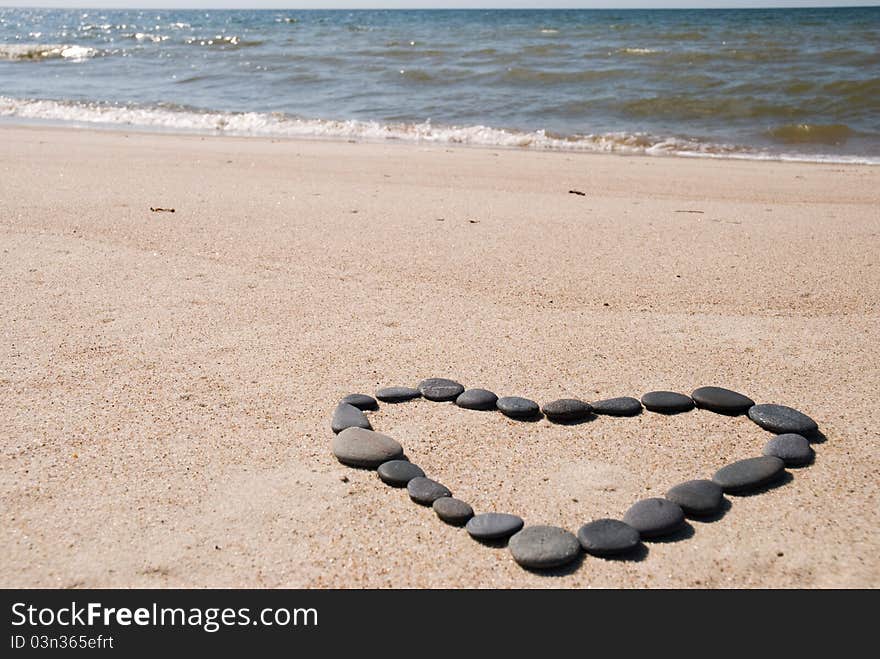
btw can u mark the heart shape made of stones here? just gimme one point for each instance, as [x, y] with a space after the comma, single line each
[356, 444]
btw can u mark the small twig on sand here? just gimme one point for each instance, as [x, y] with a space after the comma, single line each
[578, 193]
[161, 210]
[700, 212]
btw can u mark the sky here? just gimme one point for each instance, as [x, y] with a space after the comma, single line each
[400, 4]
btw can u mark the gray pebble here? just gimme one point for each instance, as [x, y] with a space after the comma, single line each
[607, 537]
[655, 517]
[667, 402]
[722, 401]
[348, 416]
[397, 473]
[358, 447]
[518, 408]
[567, 410]
[493, 526]
[440, 389]
[698, 497]
[621, 406]
[453, 511]
[544, 547]
[477, 399]
[794, 450]
[397, 394]
[424, 491]
[361, 401]
[781, 419]
[749, 474]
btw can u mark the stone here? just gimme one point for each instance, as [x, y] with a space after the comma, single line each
[794, 450]
[518, 408]
[667, 402]
[493, 526]
[782, 420]
[361, 401]
[722, 401]
[698, 498]
[424, 491]
[358, 447]
[608, 537]
[397, 473]
[453, 511]
[348, 416]
[655, 517]
[477, 399]
[567, 410]
[397, 394]
[622, 406]
[749, 474]
[544, 547]
[440, 389]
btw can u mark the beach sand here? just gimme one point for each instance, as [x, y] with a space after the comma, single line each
[166, 379]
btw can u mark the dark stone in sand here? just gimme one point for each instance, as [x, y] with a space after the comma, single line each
[477, 399]
[794, 450]
[397, 394]
[698, 498]
[453, 511]
[358, 447]
[544, 547]
[348, 416]
[518, 408]
[607, 537]
[655, 517]
[781, 419]
[397, 473]
[424, 491]
[749, 474]
[440, 389]
[494, 526]
[361, 401]
[667, 402]
[566, 410]
[622, 406]
[723, 401]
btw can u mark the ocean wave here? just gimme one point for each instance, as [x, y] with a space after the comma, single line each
[275, 124]
[832, 134]
[31, 52]
[638, 51]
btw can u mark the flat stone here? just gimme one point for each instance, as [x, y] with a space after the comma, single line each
[698, 498]
[477, 399]
[749, 474]
[794, 450]
[453, 511]
[424, 491]
[518, 408]
[667, 402]
[397, 394]
[722, 401]
[621, 406]
[440, 389]
[348, 416]
[361, 401]
[397, 473]
[493, 526]
[567, 410]
[607, 537]
[358, 447]
[543, 547]
[655, 517]
[781, 419]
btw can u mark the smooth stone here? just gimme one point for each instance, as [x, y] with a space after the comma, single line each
[358, 447]
[543, 547]
[794, 450]
[477, 399]
[397, 473]
[698, 497]
[397, 394]
[348, 416]
[749, 474]
[621, 406]
[722, 401]
[493, 526]
[453, 511]
[782, 420]
[424, 491]
[518, 408]
[361, 401]
[655, 517]
[440, 389]
[567, 409]
[607, 537]
[667, 402]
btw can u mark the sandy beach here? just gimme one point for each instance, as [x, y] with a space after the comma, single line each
[166, 379]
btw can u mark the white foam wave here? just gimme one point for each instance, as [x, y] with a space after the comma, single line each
[281, 125]
[638, 51]
[38, 51]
